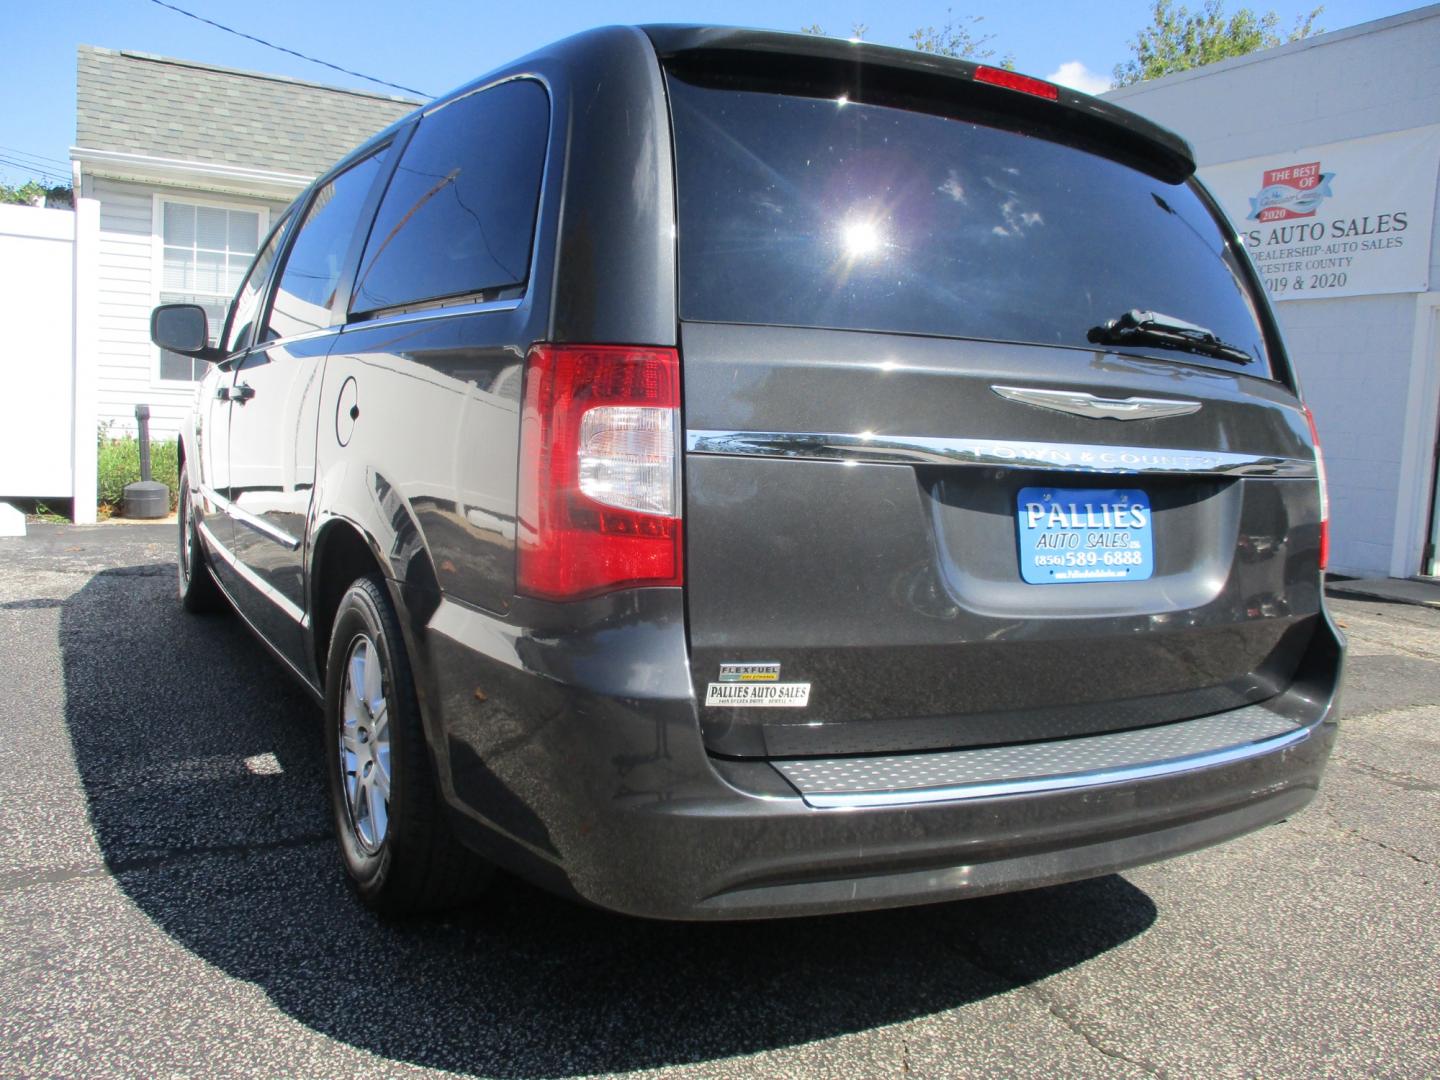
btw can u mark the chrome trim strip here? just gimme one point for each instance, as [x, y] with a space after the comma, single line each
[211, 495]
[470, 91]
[1065, 782]
[1059, 457]
[403, 317]
[245, 517]
[260, 525]
[316, 692]
[259, 584]
[281, 342]
[1097, 408]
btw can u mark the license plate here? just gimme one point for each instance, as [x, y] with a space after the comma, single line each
[1069, 535]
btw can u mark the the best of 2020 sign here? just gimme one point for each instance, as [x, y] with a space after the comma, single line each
[1345, 219]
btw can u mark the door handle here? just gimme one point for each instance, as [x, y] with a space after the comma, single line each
[241, 392]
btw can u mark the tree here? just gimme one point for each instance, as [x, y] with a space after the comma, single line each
[857, 30]
[1178, 39]
[34, 193]
[955, 38]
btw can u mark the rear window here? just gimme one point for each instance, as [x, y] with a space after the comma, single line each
[800, 211]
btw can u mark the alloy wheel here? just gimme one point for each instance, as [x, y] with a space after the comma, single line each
[364, 744]
[187, 532]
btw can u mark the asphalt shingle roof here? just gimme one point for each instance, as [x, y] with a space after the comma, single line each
[141, 104]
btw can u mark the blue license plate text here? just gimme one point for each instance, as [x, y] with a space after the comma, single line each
[1070, 535]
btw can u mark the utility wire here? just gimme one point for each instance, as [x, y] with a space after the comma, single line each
[14, 151]
[292, 52]
[48, 175]
[43, 174]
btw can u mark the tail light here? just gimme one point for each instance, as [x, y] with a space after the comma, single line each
[599, 471]
[1324, 494]
[1011, 80]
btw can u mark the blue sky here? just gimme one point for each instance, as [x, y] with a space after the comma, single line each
[436, 45]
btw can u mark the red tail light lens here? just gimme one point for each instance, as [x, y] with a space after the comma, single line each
[599, 471]
[1012, 81]
[1324, 493]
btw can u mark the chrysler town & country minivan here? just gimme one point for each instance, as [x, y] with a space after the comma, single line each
[714, 474]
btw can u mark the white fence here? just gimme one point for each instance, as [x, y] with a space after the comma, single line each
[48, 314]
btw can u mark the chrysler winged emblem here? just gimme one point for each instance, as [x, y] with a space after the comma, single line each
[1081, 404]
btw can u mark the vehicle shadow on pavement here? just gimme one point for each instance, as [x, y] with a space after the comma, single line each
[202, 767]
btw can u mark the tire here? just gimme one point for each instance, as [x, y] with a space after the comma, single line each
[395, 840]
[198, 591]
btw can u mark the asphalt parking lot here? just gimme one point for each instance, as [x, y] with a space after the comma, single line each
[170, 903]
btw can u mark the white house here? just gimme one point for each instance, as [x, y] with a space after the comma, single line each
[1324, 153]
[189, 164]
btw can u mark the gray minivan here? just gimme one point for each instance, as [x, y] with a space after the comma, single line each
[714, 474]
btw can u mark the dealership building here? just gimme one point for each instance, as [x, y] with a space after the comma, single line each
[1324, 153]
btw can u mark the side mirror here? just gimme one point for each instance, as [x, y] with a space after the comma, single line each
[183, 329]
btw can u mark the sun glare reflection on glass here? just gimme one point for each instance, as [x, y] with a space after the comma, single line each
[860, 238]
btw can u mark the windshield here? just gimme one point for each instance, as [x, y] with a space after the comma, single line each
[800, 211]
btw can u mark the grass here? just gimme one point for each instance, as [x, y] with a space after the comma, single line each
[119, 465]
[39, 510]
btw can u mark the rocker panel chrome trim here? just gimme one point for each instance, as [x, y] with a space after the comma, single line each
[260, 525]
[254, 521]
[279, 599]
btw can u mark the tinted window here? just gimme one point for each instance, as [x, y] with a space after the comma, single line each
[313, 264]
[816, 212]
[252, 292]
[459, 215]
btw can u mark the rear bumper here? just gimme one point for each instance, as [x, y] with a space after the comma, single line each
[591, 779]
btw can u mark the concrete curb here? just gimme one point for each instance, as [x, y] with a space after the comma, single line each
[1393, 590]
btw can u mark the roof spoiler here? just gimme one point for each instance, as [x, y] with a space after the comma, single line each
[823, 66]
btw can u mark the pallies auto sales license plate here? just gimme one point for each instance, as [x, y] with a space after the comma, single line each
[1092, 534]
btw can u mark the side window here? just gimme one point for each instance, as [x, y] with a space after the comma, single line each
[252, 291]
[458, 218]
[317, 255]
[204, 251]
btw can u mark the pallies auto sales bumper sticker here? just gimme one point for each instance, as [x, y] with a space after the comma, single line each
[744, 695]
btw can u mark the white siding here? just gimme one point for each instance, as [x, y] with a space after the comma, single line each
[1359, 407]
[128, 368]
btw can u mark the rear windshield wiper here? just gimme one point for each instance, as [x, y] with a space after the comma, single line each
[1153, 328]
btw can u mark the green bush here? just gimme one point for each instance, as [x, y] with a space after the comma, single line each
[119, 465]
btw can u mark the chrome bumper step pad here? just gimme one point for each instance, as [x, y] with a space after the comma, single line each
[1027, 768]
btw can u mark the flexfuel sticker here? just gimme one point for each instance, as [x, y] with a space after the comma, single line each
[749, 672]
[741, 695]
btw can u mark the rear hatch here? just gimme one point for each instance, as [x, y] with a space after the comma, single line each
[925, 507]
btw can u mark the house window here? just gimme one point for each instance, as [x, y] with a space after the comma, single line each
[205, 253]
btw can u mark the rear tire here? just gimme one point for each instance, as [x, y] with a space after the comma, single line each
[198, 591]
[397, 845]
